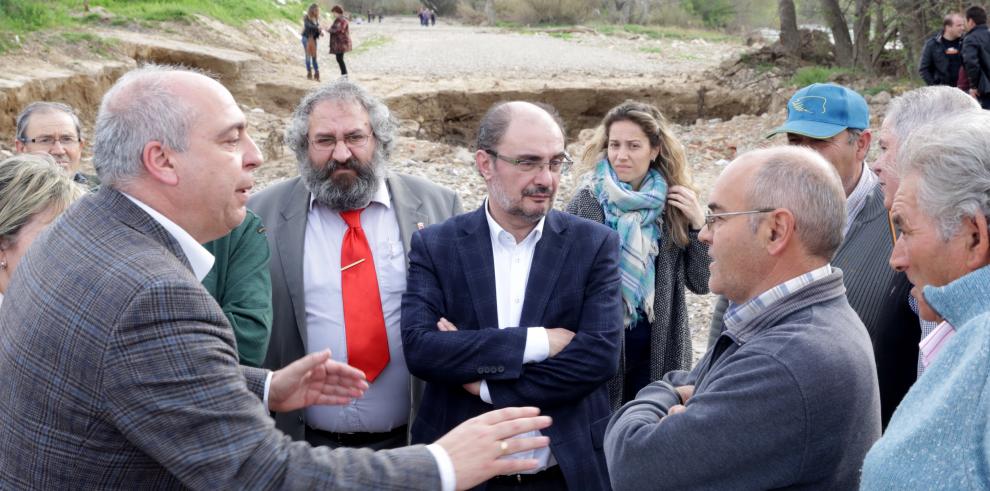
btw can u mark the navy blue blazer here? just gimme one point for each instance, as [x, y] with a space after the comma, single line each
[573, 282]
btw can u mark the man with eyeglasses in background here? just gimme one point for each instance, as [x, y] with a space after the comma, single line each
[53, 128]
[787, 396]
[338, 235]
[518, 304]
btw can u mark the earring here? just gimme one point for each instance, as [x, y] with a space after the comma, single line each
[3, 264]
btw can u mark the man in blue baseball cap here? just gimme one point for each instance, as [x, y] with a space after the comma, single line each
[834, 121]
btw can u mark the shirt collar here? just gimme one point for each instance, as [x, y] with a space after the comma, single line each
[199, 258]
[497, 231]
[738, 316]
[857, 198]
[380, 196]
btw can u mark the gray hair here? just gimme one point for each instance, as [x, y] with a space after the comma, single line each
[954, 167]
[383, 125]
[30, 184]
[919, 106]
[496, 121]
[802, 181]
[141, 107]
[44, 107]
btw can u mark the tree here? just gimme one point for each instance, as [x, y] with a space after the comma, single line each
[840, 32]
[790, 39]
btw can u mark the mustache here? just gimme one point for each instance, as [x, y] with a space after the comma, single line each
[537, 189]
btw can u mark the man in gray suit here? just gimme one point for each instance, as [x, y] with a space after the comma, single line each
[120, 371]
[343, 138]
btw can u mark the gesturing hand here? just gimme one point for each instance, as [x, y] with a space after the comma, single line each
[314, 379]
[476, 445]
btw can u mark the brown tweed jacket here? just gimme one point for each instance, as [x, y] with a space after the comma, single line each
[120, 371]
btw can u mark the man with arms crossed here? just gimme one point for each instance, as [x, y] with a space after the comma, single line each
[516, 303]
[787, 397]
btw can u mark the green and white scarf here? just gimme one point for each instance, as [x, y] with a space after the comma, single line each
[636, 216]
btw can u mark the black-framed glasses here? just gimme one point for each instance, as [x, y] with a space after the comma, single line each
[51, 140]
[711, 218]
[327, 142]
[556, 164]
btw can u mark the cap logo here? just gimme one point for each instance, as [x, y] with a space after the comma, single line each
[810, 104]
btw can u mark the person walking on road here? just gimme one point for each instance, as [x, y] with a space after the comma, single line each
[340, 38]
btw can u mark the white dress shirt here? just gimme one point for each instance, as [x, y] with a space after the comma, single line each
[512, 262]
[385, 405]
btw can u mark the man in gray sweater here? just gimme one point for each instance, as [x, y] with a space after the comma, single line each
[787, 397]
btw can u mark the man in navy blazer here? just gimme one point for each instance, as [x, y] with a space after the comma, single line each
[518, 304]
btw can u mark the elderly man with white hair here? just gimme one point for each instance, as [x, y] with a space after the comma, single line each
[895, 340]
[937, 438]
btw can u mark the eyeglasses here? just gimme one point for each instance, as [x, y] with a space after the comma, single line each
[326, 142]
[50, 140]
[711, 218]
[557, 164]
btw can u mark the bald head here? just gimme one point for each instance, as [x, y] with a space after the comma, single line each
[496, 120]
[153, 103]
[802, 181]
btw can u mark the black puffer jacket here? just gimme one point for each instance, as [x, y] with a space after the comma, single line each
[976, 58]
[934, 64]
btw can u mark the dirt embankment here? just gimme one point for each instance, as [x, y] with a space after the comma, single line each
[438, 81]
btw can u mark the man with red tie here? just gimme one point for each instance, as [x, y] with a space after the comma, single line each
[339, 234]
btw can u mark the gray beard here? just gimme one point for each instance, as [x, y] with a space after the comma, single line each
[345, 192]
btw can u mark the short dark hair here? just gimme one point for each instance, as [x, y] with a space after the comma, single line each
[337, 9]
[977, 14]
[947, 20]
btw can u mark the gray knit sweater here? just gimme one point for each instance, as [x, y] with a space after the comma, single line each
[863, 258]
[670, 336]
[790, 401]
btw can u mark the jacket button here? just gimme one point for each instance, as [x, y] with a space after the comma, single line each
[501, 369]
[481, 370]
[301, 420]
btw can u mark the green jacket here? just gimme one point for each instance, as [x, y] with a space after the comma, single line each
[240, 283]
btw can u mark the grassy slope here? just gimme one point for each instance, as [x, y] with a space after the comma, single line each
[21, 17]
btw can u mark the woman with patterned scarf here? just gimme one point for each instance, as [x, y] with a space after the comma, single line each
[638, 184]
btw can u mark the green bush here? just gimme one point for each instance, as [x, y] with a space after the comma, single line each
[815, 75]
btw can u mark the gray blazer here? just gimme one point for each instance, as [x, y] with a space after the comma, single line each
[120, 372]
[283, 209]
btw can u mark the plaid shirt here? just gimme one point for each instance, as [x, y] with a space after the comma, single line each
[737, 316]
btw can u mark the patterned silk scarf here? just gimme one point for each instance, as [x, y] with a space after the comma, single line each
[636, 216]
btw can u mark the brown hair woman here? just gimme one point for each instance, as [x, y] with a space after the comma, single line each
[639, 186]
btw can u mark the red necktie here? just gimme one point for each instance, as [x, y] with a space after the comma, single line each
[367, 343]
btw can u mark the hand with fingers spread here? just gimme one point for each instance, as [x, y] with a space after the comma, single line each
[475, 447]
[686, 200]
[314, 379]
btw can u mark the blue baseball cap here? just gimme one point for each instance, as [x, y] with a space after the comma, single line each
[823, 111]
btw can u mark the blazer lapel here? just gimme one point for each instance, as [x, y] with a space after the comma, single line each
[474, 250]
[291, 244]
[133, 216]
[548, 262]
[407, 207]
